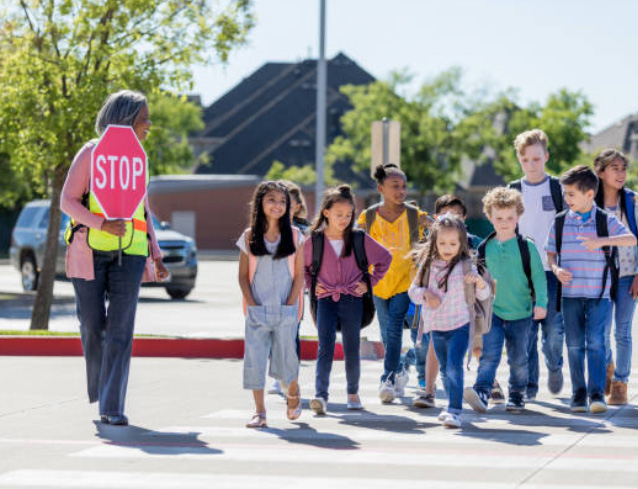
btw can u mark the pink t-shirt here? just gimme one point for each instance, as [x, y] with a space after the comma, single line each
[79, 257]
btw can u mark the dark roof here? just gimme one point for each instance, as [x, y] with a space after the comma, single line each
[270, 116]
[620, 135]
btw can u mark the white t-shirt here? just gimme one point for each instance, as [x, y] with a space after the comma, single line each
[539, 214]
[271, 247]
[626, 254]
[337, 245]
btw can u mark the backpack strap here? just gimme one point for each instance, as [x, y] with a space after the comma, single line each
[481, 248]
[371, 215]
[557, 193]
[630, 210]
[413, 223]
[516, 185]
[559, 224]
[358, 244]
[317, 258]
[602, 231]
[523, 247]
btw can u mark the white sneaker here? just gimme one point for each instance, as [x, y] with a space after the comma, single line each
[275, 388]
[442, 415]
[400, 381]
[319, 405]
[452, 420]
[355, 405]
[386, 392]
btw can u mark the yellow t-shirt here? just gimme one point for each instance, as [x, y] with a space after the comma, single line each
[395, 237]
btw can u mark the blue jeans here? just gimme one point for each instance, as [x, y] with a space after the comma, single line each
[107, 333]
[623, 307]
[450, 348]
[552, 339]
[416, 356]
[391, 314]
[514, 334]
[585, 332]
[348, 312]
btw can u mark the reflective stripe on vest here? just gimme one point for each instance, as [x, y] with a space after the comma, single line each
[134, 241]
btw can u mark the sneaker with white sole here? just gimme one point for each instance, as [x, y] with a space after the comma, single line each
[319, 405]
[401, 379]
[354, 405]
[597, 404]
[477, 400]
[442, 415]
[452, 420]
[497, 396]
[275, 388]
[386, 392]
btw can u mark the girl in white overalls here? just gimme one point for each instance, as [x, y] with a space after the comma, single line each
[271, 281]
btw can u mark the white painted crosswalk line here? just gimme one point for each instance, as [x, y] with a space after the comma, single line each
[51, 479]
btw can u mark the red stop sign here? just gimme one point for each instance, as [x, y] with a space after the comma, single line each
[118, 172]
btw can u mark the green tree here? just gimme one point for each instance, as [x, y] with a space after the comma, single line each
[173, 118]
[59, 59]
[433, 141]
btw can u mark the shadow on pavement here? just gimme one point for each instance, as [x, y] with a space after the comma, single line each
[304, 434]
[382, 422]
[136, 437]
[20, 306]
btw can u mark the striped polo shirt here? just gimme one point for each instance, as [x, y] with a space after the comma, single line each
[586, 266]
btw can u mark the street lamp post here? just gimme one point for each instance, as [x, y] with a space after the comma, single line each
[321, 106]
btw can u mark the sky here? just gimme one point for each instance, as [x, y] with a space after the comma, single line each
[534, 46]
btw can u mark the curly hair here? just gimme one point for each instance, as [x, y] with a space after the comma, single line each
[259, 223]
[503, 198]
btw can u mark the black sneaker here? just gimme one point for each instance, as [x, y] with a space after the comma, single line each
[478, 400]
[515, 403]
[597, 404]
[497, 396]
[579, 401]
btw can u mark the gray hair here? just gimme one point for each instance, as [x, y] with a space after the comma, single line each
[121, 108]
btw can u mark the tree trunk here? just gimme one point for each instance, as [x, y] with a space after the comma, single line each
[44, 297]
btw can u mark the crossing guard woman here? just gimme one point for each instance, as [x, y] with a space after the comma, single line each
[92, 265]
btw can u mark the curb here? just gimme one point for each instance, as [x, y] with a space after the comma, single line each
[214, 348]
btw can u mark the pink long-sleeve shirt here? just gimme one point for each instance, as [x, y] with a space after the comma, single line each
[453, 312]
[79, 257]
[340, 274]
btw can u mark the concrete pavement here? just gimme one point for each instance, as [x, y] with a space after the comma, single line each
[187, 431]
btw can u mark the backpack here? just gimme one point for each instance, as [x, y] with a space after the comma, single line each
[610, 252]
[554, 189]
[480, 310]
[523, 247]
[358, 245]
[413, 220]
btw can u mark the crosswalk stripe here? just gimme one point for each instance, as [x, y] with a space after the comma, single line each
[352, 456]
[429, 436]
[139, 480]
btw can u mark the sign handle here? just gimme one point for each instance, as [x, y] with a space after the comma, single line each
[119, 251]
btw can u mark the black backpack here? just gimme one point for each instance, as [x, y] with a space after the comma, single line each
[554, 188]
[610, 252]
[358, 245]
[523, 247]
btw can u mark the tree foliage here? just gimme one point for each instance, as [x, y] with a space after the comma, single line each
[59, 59]
[442, 124]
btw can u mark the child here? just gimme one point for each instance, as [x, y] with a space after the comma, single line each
[444, 309]
[543, 199]
[298, 212]
[454, 205]
[513, 306]
[271, 281]
[339, 290]
[579, 255]
[611, 168]
[398, 227]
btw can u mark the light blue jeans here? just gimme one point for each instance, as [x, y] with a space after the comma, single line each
[622, 310]
[391, 314]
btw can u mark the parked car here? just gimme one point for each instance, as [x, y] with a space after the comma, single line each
[179, 252]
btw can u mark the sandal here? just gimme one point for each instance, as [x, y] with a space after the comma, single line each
[257, 421]
[293, 413]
